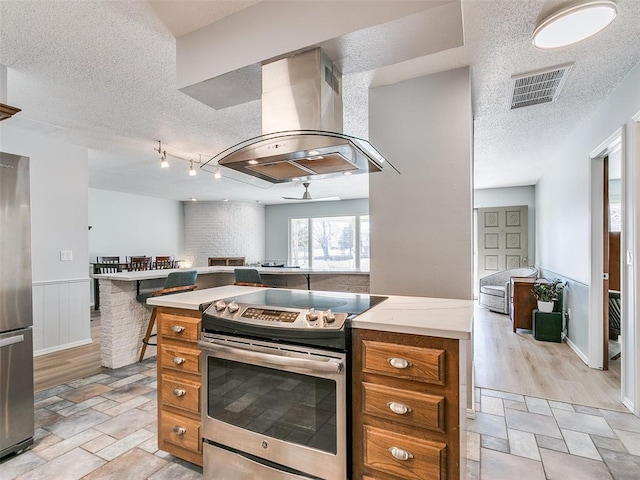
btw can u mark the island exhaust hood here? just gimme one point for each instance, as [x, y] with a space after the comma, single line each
[302, 126]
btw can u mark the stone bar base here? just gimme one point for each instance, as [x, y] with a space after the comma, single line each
[123, 321]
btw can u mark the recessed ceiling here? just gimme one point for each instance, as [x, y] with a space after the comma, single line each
[103, 75]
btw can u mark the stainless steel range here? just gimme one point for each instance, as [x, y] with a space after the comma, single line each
[275, 369]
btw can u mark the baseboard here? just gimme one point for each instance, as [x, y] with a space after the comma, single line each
[576, 350]
[59, 348]
[629, 404]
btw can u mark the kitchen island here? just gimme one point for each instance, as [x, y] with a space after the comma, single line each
[124, 320]
[408, 381]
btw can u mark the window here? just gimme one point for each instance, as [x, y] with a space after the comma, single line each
[330, 242]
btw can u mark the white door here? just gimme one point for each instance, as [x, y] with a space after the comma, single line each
[502, 239]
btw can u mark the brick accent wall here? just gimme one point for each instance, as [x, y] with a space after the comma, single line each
[223, 229]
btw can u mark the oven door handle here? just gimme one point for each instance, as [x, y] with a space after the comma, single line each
[240, 354]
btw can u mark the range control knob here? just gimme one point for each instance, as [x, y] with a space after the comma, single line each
[220, 305]
[329, 317]
[233, 307]
[312, 315]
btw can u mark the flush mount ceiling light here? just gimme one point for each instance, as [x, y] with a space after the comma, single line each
[573, 24]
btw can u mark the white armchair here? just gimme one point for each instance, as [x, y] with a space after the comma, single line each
[494, 293]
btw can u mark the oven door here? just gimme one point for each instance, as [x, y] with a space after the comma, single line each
[280, 404]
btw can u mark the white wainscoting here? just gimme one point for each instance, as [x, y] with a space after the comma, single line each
[61, 317]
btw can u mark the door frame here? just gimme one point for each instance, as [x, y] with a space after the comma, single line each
[597, 266]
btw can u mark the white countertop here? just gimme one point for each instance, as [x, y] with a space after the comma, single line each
[436, 317]
[151, 274]
[193, 300]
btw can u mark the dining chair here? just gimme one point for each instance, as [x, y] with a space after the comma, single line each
[176, 282]
[107, 265]
[139, 263]
[163, 262]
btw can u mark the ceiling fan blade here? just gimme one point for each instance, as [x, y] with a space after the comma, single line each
[321, 199]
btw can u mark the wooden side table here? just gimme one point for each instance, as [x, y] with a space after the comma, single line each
[522, 301]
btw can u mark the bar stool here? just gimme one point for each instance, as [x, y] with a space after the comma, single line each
[175, 282]
[248, 277]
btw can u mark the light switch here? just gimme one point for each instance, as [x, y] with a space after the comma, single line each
[629, 257]
[66, 255]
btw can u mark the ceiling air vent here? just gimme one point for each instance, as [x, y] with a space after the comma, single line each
[542, 86]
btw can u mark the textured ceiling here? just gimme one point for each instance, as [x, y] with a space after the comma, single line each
[103, 75]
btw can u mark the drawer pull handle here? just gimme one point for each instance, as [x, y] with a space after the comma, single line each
[400, 454]
[179, 430]
[178, 392]
[399, 408]
[399, 362]
[178, 360]
[177, 328]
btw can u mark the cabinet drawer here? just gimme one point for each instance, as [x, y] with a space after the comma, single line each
[402, 361]
[180, 394]
[179, 327]
[404, 406]
[424, 459]
[181, 359]
[181, 431]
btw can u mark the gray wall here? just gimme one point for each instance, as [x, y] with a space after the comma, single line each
[223, 229]
[421, 220]
[277, 221]
[563, 224]
[125, 225]
[59, 184]
[512, 196]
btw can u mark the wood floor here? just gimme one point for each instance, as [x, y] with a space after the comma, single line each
[517, 363]
[60, 367]
[506, 361]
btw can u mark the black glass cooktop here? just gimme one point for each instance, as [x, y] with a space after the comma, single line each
[351, 303]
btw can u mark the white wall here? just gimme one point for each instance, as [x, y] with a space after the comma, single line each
[421, 220]
[511, 196]
[223, 229]
[125, 225]
[563, 226]
[59, 183]
[277, 221]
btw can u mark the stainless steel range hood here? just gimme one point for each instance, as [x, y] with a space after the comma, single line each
[302, 126]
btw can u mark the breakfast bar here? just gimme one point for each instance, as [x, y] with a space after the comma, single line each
[124, 320]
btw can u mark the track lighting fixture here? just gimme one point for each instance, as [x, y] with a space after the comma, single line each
[192, 163]
[163, 160]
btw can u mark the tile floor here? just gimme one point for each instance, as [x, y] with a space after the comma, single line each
[100, 427]
[104, 427]
[528, 438]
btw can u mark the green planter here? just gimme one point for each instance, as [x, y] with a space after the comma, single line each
[547, 327]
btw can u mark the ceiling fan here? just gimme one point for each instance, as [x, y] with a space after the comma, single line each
[306, 196]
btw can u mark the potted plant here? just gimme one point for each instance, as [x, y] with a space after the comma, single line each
[546, 293]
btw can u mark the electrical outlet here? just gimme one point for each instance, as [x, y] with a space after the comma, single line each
[66, 255]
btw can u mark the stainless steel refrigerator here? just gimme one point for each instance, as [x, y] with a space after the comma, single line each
[16, 311]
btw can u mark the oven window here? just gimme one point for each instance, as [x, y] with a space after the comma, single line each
[288, 406]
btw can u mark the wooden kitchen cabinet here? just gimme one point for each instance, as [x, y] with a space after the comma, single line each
[408, 408]
[179, 383]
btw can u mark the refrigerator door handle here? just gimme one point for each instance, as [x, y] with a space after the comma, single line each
[5, 342]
